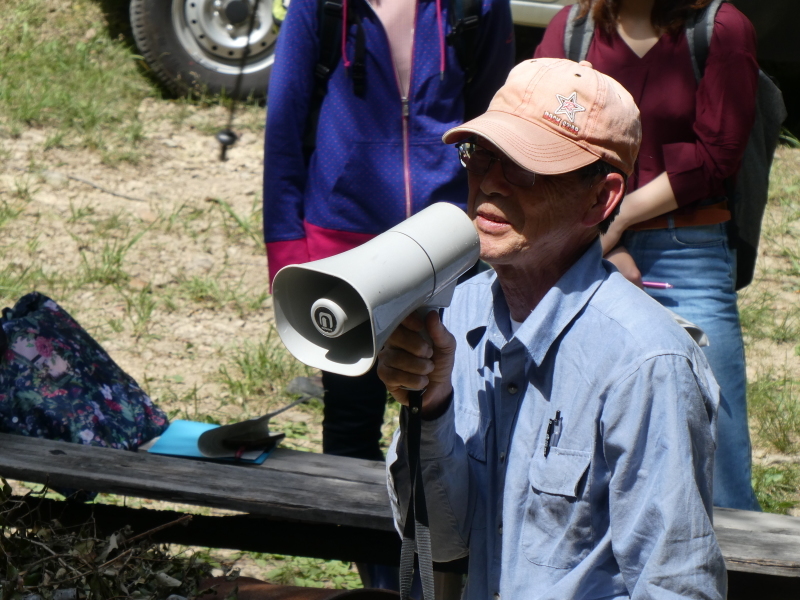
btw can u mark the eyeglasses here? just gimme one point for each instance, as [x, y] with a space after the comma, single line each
[479, 160]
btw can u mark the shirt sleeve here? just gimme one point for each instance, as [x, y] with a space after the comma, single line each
[289, 97]
[280, 254]
[724, 112]
[445, 475]
[658, 428]
[495, 55]
[552, 44]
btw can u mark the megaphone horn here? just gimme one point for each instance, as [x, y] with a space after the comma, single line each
[336, 313]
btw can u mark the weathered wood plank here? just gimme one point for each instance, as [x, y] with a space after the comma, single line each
[758, 552]
[285, 486]
[745, 520]
[313, 489]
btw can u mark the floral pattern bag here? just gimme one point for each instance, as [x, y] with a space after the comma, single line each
[57, 382]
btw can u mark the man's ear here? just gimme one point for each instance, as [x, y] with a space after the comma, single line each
[607, 194]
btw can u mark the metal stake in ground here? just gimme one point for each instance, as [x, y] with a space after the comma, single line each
[236, 12]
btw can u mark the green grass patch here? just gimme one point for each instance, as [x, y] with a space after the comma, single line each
[312, 572]
[59, 67]
[237, 226]
[774, 404]
[776, 487]
[261, 371]
[105, 266]
[215, 291]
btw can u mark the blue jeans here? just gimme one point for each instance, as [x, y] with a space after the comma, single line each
[701, 267]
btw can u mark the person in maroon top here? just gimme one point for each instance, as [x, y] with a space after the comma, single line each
[671, 225]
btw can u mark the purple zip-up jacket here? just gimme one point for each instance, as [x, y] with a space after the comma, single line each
[372, 167]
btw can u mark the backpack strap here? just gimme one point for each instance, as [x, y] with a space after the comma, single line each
[578, 34]
[464, 17]
[329, 19]
[698, 34]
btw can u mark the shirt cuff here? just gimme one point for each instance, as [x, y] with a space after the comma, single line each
[280, 254]
[438, 435]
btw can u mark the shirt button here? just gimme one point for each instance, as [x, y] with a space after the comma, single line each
[502, 457]
[512, 388]
[497, 596]
[500, 529]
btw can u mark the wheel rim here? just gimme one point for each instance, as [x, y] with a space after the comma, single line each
[214, 32]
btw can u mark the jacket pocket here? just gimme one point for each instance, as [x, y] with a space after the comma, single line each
[368, 194]
[557, 531]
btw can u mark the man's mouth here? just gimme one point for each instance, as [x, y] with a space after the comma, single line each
[490, 221]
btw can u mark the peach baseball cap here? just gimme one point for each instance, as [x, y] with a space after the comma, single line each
[553, 116]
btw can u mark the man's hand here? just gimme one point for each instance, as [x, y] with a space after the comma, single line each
[621, 258]
[408, 361]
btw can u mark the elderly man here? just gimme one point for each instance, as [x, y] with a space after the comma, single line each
[568, 423]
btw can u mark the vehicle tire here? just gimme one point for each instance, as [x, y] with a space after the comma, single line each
[196, 46]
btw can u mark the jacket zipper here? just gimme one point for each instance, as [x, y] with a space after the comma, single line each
[406, 114]
[406, 157]
[405, 110]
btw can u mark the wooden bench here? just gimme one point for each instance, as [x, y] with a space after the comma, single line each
[328, 507]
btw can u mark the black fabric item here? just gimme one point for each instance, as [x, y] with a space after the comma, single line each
[329, 17]
[416, 532]
[749, 192]
[353, 415]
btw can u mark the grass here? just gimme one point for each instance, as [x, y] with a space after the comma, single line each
[62, 69]
[260, 370]
[770, 319]
[776, 487]
[310, 572]
[774, 404]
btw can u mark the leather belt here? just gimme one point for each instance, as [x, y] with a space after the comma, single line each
[713, 214]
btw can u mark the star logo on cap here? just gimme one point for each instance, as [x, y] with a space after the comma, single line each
[569, 106]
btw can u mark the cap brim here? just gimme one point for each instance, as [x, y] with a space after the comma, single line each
[533, 147]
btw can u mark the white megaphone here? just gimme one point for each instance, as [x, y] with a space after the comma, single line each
[336, 313]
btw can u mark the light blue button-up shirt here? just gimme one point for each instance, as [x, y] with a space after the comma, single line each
[620, 505]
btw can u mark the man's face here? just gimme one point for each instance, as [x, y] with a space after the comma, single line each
[520, 226]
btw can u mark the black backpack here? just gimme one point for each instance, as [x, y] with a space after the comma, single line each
[748, 193]
[464, 18]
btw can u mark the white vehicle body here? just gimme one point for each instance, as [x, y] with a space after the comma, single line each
[535, 14]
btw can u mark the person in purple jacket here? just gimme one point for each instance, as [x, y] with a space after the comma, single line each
[378, 157]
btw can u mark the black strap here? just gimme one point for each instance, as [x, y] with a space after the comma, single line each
[464, 17]
[578, 34]
[358, 68]
[698, 35]
[330, 35]
[330, 53]
[416, 532]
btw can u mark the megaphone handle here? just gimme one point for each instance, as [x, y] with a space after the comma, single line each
[423, 311]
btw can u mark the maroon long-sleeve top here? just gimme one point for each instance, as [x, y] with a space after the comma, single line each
[696, 132]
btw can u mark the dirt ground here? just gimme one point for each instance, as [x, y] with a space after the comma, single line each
[189, 293]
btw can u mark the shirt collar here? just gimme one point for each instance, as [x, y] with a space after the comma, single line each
[554, 313]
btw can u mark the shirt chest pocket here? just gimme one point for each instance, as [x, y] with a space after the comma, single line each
[557, 531]
[472, 428]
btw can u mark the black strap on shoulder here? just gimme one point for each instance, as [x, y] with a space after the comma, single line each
[464, 17]
[699, 29]
[578, 34]
[416, 531]
[329, 20]
[358, 68]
